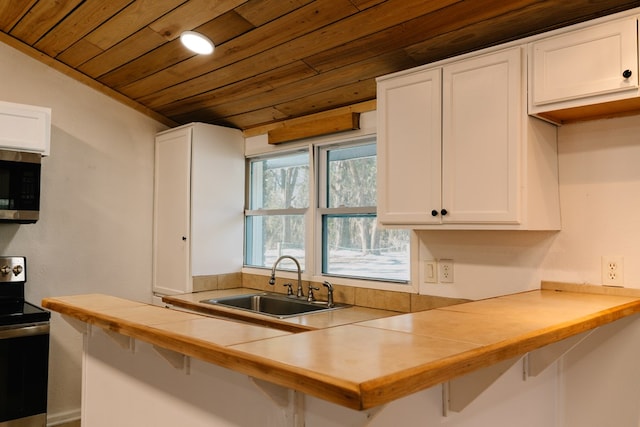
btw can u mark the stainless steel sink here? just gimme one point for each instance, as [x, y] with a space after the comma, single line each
[272, 304]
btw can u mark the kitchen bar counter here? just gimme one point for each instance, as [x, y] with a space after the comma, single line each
[369, 363]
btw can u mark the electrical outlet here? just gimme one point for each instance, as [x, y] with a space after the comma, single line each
[430, 275]
[613, 271]
[445, 271]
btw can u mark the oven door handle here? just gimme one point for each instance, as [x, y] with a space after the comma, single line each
[24, 330]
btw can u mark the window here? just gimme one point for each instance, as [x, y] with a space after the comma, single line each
[339, 223]
[278, 201]
[352, 243]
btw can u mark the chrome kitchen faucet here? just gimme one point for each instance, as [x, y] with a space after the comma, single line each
[272, 280]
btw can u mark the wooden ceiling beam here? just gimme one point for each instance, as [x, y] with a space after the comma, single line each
[359, 108]
[294, 130]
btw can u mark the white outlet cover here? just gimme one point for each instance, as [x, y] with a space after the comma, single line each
[613, 270]
[445, 271]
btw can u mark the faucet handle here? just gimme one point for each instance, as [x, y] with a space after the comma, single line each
[289, 288]
[310, 296]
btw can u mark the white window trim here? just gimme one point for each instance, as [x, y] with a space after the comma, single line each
[313, 263]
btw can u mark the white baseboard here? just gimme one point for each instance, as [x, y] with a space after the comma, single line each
[62, 417]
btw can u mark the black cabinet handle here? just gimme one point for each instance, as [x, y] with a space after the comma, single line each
[434, 213]
[627, 73]
[443, 212]
[184, 238]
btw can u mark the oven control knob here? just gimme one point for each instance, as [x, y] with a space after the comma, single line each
[5, 270]
[17, 270]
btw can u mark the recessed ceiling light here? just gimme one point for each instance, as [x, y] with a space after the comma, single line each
[196, 42]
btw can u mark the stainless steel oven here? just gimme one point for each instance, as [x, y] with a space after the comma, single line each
[24, 350]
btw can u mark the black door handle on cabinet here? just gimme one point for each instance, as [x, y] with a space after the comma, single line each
[627, 73]
[443, 212]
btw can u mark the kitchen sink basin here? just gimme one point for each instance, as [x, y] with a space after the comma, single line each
[272, 304]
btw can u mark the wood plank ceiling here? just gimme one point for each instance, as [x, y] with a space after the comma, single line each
[275, 59]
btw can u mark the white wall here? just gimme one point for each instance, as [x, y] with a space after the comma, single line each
[599, 167]
[95, 231]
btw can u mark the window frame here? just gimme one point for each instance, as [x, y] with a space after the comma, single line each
[259, 147]
[278, 211]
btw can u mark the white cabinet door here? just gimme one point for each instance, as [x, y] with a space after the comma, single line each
[25, 128]
[582, 64]
[171, 273]
[481, 139]
[409, 141]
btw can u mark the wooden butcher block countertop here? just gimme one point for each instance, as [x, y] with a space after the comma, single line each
[369, 363]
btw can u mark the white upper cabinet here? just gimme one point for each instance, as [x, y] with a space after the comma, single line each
[461, 153]
[481, 140]
[25, 128]
[198, 205]
[409, 147]
[584, 67]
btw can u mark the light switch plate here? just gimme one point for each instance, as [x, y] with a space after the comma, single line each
[430, 271]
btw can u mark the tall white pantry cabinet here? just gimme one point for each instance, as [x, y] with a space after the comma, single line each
[198, 205]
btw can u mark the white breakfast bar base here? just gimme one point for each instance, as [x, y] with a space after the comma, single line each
[128, 382]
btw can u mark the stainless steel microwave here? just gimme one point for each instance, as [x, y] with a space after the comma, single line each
[19, 186]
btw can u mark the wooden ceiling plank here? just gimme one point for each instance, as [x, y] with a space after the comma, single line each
[78, 53]
[191, 15]
[336, 97]
[130, 48]
[41, 18]
[266, 115]
[274, 33]
[77, 24]
[162, 57]
[366, 4]
[317, 41]
[137, 15]
[269, 117]
[232, 104]
[255, 87]
[11, 11]
[418, 29]
[236, 94]
[312, 105]
[534, 19]
[221, 29]
[259, 12]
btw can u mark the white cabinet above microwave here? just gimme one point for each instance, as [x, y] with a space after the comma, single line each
[25, 128]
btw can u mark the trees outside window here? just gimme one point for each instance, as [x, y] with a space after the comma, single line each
[352, 243]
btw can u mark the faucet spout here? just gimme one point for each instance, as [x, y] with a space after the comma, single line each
[272, 280]
[329, 287]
